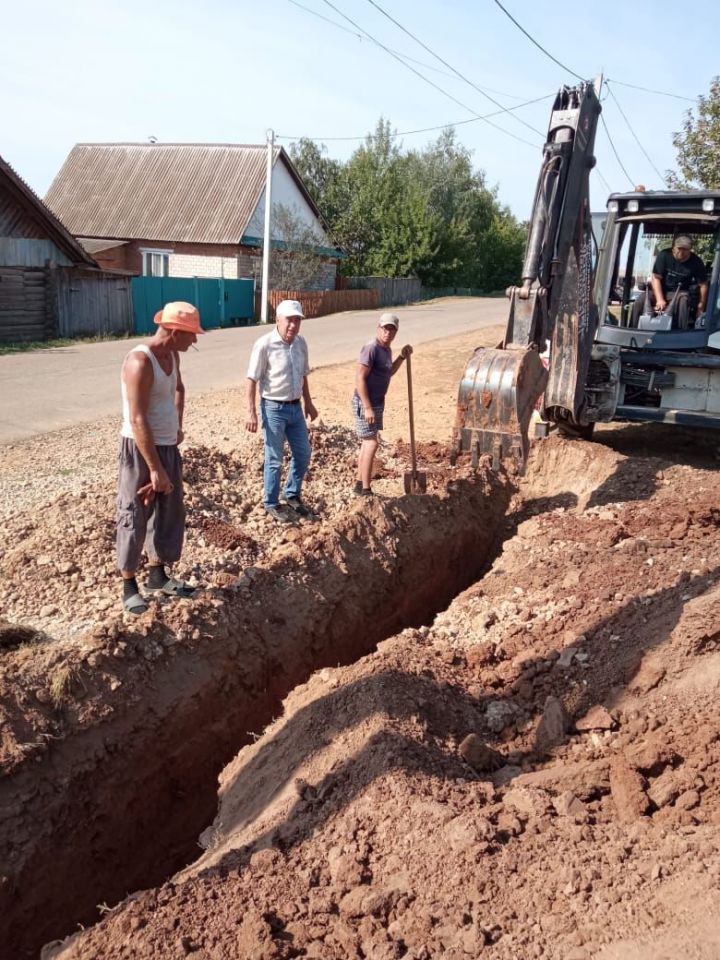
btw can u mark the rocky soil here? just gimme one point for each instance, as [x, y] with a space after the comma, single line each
[535, 772]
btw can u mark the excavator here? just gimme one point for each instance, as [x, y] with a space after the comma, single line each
[574, 341]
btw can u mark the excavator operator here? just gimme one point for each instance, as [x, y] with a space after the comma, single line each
[678, 285]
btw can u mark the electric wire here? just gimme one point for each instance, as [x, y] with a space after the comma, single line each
[617, 155]
[603, 180]
[359, 36]
[407, 133]
[427, 79]
[660, 93]
[634, 86]
[450, 66]
[637, 140]
[538, 45]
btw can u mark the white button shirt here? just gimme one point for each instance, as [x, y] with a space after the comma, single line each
[278, 367]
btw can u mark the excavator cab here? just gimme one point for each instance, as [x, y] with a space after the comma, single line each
[652, 365]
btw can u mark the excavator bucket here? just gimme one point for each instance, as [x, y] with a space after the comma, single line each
[497, 395]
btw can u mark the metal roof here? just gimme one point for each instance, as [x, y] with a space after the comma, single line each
[47, 224]
[181, 192]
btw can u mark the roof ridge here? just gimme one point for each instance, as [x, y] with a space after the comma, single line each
[142, 143]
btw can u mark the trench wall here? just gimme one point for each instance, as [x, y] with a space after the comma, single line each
[119, 807]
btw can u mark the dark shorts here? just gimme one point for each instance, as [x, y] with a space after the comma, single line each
[365, 430]
[159, 528]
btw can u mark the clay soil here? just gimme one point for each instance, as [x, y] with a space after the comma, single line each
[533, 771]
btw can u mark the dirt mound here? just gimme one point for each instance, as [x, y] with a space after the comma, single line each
[535, 775]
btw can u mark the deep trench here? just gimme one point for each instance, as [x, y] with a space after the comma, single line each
[125, 803]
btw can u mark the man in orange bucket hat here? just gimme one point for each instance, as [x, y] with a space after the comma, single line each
[150, 507]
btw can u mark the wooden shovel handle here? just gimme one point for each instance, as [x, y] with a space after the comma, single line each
[412, 418]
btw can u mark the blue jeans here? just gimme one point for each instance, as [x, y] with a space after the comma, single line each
[283, 421]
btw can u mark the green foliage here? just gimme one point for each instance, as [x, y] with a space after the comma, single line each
[698, 144]
[424, 213]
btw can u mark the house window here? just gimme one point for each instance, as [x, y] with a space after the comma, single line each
[155, 263]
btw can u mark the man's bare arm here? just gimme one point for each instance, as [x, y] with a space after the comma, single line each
[310, 409]
[660, 301]
[397, 362]
[251, 420]
[703, 297]
[361, 377]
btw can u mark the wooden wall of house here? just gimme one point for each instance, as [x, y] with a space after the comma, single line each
[25, 310]
[15, 219]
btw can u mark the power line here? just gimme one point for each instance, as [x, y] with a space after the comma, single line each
[602, 178]
[629, 126]
[538, 45]
[427, 80]
[360, 37]
[407, 133]
[617, 155]
[450, 67]
[661, 93]
[326, 19]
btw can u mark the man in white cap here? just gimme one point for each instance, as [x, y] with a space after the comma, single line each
[675, 271]
[279, 369]
[374, 370]
[150, 508]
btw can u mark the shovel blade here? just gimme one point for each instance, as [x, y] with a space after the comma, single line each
[415, 482]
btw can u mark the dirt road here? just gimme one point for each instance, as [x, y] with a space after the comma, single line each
[482, 722]
[52, 389]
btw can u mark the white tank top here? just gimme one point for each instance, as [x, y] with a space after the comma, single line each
[161, 415]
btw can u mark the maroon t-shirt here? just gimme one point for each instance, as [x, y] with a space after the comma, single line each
[379, 360]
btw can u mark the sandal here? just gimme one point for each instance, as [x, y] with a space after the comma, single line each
[135, 605]
[174, 588]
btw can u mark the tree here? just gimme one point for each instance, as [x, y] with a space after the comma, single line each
[424, 213]
[321, 175]
[698, 144]
[295, 262]
[479, 244]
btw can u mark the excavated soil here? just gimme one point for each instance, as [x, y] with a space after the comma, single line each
[533, 772]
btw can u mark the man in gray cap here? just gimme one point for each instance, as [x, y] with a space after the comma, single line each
[374, 370]
[675, 271]
[279, 368]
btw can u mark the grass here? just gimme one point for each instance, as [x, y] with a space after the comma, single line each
[23, 346]
[65, 679]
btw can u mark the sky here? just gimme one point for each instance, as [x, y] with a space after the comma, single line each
[218, 71]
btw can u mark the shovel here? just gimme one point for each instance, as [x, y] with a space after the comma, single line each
[415, 481]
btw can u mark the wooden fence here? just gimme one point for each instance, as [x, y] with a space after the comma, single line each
[318, 303]
[90, 303]
[392, 291]
[42, 303]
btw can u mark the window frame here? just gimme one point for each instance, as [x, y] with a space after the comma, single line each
[147, 253]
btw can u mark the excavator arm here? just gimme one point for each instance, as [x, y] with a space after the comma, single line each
[500, 387]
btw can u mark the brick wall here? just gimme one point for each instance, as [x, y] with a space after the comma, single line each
[197, 265]
[204, 260]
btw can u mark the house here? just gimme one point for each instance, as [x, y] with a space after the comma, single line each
[185, 209]
[49, 284]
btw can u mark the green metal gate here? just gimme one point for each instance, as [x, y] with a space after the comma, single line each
[222, 303]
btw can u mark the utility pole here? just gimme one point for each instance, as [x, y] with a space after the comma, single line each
[266, 236]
